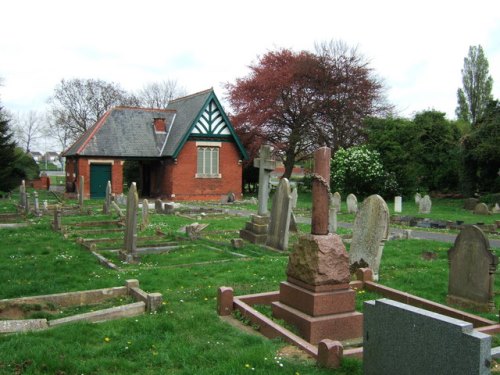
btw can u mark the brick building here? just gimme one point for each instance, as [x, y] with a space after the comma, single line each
[188, 151]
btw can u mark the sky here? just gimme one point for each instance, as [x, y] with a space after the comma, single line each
[417, 48]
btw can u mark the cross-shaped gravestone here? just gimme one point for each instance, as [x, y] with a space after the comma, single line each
[131, 221]
[266, 165]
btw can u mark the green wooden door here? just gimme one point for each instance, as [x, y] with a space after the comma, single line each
[100, 174]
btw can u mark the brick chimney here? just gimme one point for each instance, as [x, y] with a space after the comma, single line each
[160, 124]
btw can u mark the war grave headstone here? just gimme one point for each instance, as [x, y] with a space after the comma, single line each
[370, 231]
[398, 204]
[470, 203]
[256, 230]
[472, 271]
[352, 204]
[425, 205]
[402, 339]
[316, 298]
[106, 208]
[279, 221]
[129, 252]
[481, 209]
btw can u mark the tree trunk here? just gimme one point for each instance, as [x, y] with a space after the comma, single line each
[289, 164]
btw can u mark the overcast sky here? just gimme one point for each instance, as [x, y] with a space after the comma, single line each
[416, 47]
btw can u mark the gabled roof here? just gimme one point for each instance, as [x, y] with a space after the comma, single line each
[129, 132]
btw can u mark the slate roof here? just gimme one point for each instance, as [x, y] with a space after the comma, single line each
[129, 132]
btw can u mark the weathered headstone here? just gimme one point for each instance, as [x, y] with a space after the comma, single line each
[279, 222]
[81, 191]
[370, 231]
[472, 270]
[425, 205]
[106, 209]
[398, 204]
[27, 204]
[470, 203]
[266, 165]
[57, 223]
[293, 220]
[418, 198]
[352, 204]
[158, 206]
[130, 243]
[402, 339]
[145, 213]
[332, 219]
[495, 209]
[481, 209]
[336, 201]
[36, 203]
[316, 298]
[22, 194]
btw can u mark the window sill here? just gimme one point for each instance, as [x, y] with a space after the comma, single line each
[208, 175]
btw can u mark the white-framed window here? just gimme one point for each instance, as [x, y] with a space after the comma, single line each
[207, 162]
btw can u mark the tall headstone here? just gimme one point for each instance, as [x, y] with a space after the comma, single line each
[57, 223]
[316, 298]
[418, 198]
[266, 165]
[332, 219]
[425, 205]
[81, 191]
[158, 206]
[36, 203]
[106, 208]
[370, 231]
[293, 220]
[279, 222]
[402, 339]
[472, 271]
[352, 204]
[256, 230]
[336, 201]
[22, 194]
[27, 204]
[130, 243]
[398, 204]
[145, 213]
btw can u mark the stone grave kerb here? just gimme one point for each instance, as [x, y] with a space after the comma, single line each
[317, 298]
[266, 165]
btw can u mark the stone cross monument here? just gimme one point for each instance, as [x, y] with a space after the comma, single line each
[317, 298]
[266, 165]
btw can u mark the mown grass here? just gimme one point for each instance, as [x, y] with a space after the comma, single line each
[186, 336]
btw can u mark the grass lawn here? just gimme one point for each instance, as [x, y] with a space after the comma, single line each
[186, 336]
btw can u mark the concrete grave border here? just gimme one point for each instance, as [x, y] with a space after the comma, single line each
[328, 353]
[145, 302]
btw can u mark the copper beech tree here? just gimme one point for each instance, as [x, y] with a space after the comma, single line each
[298, 101]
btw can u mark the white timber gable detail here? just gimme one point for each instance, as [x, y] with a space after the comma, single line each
[211, 122]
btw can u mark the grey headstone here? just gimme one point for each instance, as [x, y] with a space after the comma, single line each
[472, 270]
[81, 191]
[279, 223]
[402, 339]
[158, 206]
[145, 213]
[22, 194]
[425, 205]
[27, 204]
[370, 231]
[57, 223]
[36, 203]
[418, 198]
[266, 165]
[336, 200]
[332, 219]
[470, 203]
[398, 204]
[107, 199]
[293, 219]
[352, 204]
[481, 209]
[495, 209]
[131, 220]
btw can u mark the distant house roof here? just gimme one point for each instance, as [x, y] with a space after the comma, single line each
[130, 132]
[35, 154]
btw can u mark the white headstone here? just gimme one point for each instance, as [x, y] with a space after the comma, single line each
[352, 204]
[418, 198]
[398, 204]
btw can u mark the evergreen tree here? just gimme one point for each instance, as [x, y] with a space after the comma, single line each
[7, 154]
[475, 95]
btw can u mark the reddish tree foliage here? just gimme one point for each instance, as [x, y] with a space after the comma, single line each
[300, 101]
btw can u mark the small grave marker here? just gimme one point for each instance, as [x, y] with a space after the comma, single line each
[352, 204]
[418, 198]
[481, 209]
[425, 205]
[398, 204]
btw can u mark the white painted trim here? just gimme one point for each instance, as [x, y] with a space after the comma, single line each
[208, 144]
[207, 175]
[97, 161]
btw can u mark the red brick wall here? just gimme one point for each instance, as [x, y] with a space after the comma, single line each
[42, 183]
[81, 166]
[180, 182]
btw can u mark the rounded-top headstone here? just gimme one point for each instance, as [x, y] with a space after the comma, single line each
[352, 204]
[336, 201]
[481, 209]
